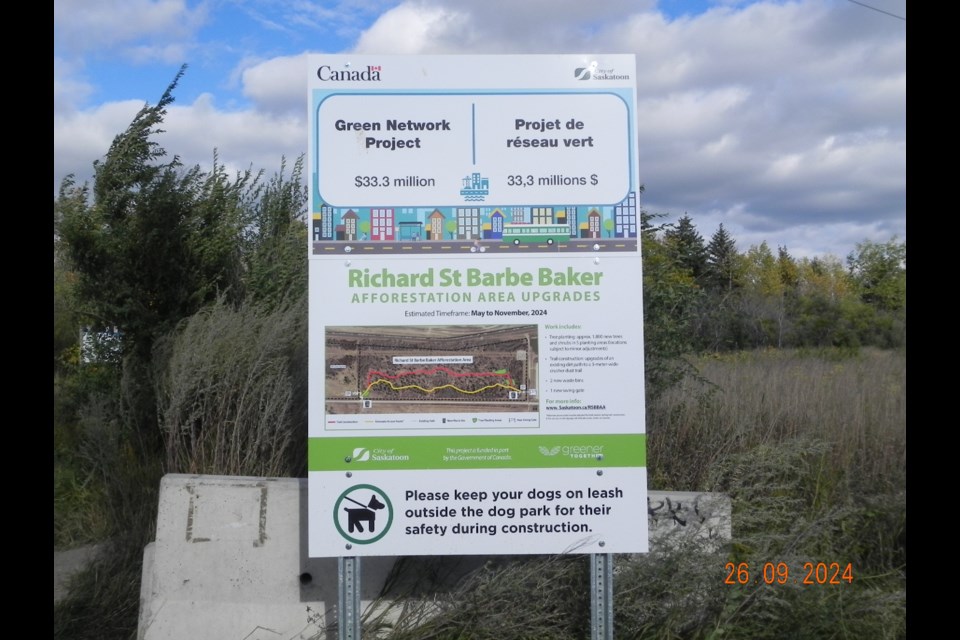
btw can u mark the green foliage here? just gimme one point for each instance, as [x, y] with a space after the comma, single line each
[274, 238]
[789, 271]
[781, 519]
[880, 272]
[65, 318]
[169, 254]
[151, 248]
[669, 298]
[723, 263]
[685, 246]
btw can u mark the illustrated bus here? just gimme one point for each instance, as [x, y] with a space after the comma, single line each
[518, 233]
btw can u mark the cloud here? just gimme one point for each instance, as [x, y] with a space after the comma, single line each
[411, 29]
[495, 26]
[80, 137]
[85, 25]
[69, 87]
[241, 139]
[278, 85]
[786, 121]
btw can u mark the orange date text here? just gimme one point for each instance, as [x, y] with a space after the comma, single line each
[813, 573]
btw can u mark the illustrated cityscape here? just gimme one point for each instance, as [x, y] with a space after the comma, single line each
[411, 224]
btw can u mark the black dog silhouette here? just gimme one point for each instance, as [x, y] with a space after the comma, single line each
[368, 513]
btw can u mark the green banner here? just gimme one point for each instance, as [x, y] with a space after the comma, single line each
[477, 452]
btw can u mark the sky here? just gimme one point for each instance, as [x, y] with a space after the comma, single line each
[783, 121]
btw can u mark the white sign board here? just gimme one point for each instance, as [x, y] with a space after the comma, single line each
[476, 324]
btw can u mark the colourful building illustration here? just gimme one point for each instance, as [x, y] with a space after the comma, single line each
[437, 220]
[468, 222]
[572, 218]
[350, 224]
[381, 224]
[593, 224]
[625, 217]
[496, 224]
[409, 224]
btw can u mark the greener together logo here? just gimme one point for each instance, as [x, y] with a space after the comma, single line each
[578, 452]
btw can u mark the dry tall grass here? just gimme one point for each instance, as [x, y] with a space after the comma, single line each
[232, 392]
[812, 450]
[856, 405]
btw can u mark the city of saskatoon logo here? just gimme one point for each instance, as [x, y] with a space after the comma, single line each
[363, 514]
[585, 73]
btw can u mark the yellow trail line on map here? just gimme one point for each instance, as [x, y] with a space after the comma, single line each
[446, 386]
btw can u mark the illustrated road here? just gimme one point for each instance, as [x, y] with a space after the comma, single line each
[474, 246]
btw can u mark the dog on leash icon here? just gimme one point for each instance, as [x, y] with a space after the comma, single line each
[363, 514]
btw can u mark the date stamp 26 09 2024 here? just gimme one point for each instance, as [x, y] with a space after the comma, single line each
[807, 573]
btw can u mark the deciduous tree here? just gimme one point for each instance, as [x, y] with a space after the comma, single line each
[880, 272]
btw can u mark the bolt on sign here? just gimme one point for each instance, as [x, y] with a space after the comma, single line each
[476, 317]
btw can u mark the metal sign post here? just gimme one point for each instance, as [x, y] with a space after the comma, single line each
[601, 596]
[348, 598]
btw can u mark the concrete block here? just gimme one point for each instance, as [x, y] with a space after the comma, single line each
[230, 559]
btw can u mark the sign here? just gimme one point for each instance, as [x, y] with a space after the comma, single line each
[476, 322]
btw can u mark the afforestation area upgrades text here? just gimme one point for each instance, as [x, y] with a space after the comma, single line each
[497, 285]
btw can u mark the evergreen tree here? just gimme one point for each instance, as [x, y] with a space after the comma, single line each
[669, 302]
[686, 246]
[722, 260]
[789, 272]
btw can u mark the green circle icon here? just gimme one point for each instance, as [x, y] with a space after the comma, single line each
[365, 513]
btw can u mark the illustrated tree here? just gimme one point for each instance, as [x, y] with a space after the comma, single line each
[608, 226]
[451, 227]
